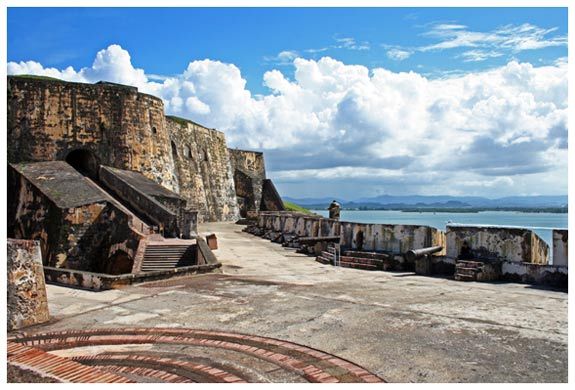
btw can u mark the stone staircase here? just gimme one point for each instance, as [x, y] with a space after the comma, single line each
[168, 254]
[370, 261]
[468, 270]
[484, 270]
[327, 256]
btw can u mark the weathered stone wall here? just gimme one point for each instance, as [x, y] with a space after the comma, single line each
[139, 201]
[271, 199]
[389, 238]
[511, 244]
[27, 301]
[560, 247]
[33, 216]
[121, 128]
[249, 174]
[203, 168]
[94, 237]
[376, 237]
[47, 119]
[101, 281]
[549, 275]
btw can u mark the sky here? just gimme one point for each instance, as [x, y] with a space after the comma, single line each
[344, 102]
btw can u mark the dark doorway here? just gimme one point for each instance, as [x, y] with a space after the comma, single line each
[174, 152]
[84, 162]
[120, 263]
[244, 193]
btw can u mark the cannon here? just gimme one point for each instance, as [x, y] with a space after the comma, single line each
[422, 259]
[413, 254]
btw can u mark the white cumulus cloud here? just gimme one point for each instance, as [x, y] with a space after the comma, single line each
[505, 128]
[398, 54]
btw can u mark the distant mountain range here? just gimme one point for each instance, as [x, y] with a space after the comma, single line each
[437, 201]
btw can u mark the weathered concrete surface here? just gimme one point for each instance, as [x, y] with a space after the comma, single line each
[27, 303]
[403, 327]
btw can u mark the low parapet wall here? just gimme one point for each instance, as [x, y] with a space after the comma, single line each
[560, 247]
[497, 243]
[375, 237]
[522, 254]
[543, 274]
[389, 238]
[99, 282]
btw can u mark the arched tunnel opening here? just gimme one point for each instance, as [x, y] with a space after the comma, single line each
[85, 162]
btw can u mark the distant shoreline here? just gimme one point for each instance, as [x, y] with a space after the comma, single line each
[554, 210]
[469, 210]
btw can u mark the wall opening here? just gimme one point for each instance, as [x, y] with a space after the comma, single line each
[174, 151]
[84, 162]
[120, 263]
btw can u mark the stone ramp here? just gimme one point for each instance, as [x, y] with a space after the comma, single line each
[137, 222]
[61, 183]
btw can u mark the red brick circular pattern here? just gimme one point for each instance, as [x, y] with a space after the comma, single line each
[150, 365]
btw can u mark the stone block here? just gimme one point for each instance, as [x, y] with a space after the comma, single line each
[27, 300]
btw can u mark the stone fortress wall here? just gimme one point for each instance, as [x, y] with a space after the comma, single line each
[116, 126]
[249, 175]
[203, 169]
[48, 119]
[98, 174]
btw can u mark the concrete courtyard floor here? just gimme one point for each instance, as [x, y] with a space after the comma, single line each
[402, 327]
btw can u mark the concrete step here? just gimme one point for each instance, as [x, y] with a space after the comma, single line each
[168, 256]
[323, 260]
[365, 261]
[368, 267]
[457, 267]
[172, 250]
[465, 278]
[469, 263]
[368, 255]
[468, 272]
[327, 254]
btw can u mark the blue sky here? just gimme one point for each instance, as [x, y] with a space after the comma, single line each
[164, 40]
[328, 85]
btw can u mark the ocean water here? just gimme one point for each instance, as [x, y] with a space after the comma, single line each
[541, 223]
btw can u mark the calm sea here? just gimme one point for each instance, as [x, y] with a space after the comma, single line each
[540, 223]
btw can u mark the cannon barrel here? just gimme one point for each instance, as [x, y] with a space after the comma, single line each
[413, 254]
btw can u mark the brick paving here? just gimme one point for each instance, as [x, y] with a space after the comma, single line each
[38, 351]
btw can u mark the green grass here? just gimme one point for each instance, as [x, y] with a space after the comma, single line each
[289, 206]
[178, 120]
[35, 77]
